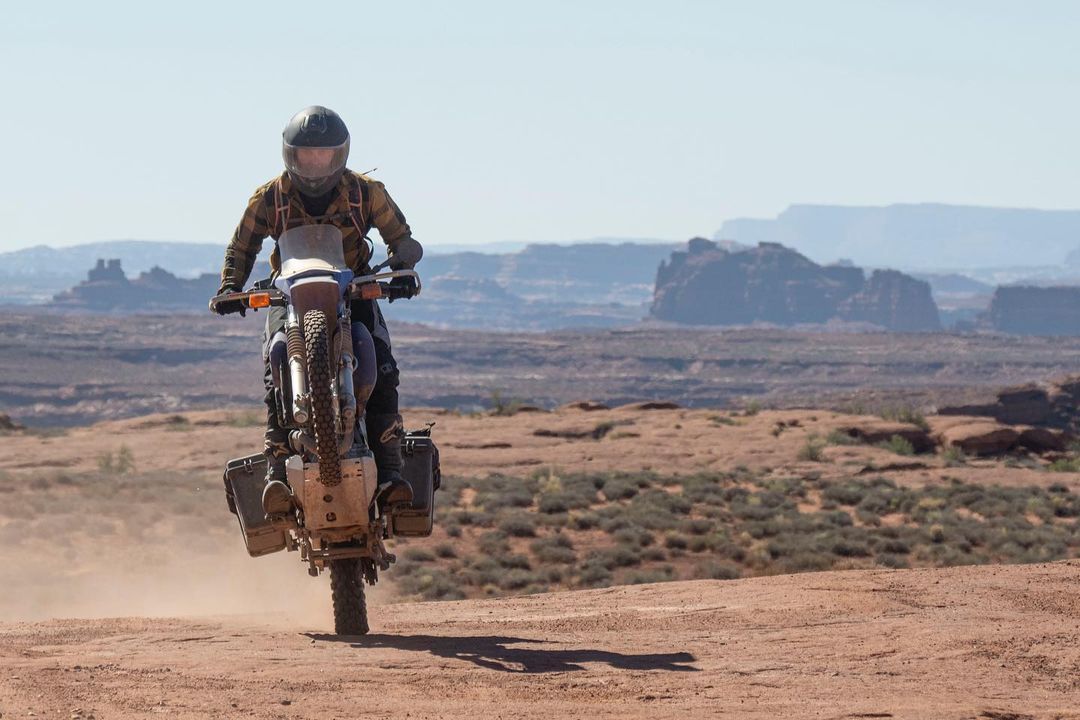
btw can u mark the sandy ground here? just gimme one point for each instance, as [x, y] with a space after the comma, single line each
[177, 620]
[991, 642]
[664, 441]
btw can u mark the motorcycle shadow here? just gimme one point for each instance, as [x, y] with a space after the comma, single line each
[494, 653]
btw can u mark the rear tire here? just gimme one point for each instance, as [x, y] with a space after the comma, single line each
[321, 378]
[350, 606]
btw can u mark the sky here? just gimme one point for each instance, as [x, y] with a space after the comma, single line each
[539, 121]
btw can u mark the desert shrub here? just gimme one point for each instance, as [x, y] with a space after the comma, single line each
[660, 501]
[752, 509]
[813, 450]
[453, 531]
[612, 525]
[121, 463]
[696, 526]
[418, 554]
[701, 543]
[879, 499]
[676, 541]
[899, 445]
[724, 547]
[493, 543]
[895, 562]
[703, 489]
[594, 574]
[759, 529]
[474, 518]
[849, 547]
[633, 537]
[561, 502]
[555, 520]
[554, 549]
[519, 579]
[445, 551]
[502, 405]
[620, 489]
[482, 571]
[656, 510]
[847, 493]
[617, 557]
[954, 456]
[867, 517]
[515, 560]
[804, 562]
[752, 408]
[585, 521]
[716, 571]
[517, 497]
[906, 414]
[519, 525]
[431, 584]
[642, 577]
[838, 437]
[653, 554]
[785, 487]
[1070, 465]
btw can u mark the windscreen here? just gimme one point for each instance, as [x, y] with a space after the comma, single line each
[311, 248]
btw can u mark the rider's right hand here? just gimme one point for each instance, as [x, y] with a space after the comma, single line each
[225, 307]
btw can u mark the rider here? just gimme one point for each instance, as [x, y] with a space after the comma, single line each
[316, 187]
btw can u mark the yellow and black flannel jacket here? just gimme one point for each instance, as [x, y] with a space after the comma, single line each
[263, 218]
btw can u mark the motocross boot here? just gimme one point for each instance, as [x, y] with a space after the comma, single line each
[277, 496]
[384, 434]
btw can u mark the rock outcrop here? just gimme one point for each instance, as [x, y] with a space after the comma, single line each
[1025, 310]
[107, 288]
[895, 301]
[709, 285]
[1052, 405]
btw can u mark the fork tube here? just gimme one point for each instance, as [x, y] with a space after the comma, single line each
[301, 398]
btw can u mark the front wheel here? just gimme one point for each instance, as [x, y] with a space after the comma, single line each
[321, 377]
[347, 587]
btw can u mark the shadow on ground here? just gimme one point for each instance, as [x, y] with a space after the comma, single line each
[494, 653]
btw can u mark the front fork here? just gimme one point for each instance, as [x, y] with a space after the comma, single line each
[345, 406]
[294, 337]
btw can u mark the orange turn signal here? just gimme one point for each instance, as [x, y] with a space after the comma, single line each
[371, 292]
[259, 300]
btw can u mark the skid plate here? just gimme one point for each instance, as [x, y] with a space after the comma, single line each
[327, 507]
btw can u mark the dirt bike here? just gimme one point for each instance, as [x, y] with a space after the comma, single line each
[315, 364]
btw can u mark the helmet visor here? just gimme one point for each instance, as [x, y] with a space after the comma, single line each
[315, 164]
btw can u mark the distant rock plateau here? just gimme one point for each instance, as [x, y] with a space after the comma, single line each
[709, 285]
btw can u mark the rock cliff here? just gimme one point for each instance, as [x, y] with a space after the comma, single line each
[709, 285]
[1023, 310]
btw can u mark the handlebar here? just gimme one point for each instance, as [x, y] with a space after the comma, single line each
[366, 287]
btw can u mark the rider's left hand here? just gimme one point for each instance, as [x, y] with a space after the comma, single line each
[408, 285]
[405, 254]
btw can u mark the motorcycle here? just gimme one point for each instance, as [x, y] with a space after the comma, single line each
[323, 369]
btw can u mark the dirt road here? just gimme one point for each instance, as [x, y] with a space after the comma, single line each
[986, 642]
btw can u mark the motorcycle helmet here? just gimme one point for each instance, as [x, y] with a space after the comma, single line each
[315, 146]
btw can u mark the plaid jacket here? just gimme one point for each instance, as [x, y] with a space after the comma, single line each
[360, 204]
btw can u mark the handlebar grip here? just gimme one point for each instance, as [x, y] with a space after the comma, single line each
[398, 292]
[227, 304]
